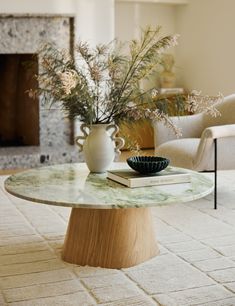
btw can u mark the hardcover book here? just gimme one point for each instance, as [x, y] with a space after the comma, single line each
[131, 178]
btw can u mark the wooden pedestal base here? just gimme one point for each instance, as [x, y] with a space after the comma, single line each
[109, 238]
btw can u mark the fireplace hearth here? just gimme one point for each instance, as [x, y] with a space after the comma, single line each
[31, 133]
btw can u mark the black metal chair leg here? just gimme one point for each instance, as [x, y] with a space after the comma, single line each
[215, 172]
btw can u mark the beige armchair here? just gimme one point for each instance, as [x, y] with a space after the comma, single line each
[207, 143]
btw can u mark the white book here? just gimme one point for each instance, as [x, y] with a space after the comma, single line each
[131, 178]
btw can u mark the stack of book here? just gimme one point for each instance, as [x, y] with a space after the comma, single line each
[131, 178]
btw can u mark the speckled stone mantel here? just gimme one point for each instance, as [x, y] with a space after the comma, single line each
[110, 225]
[22, 34]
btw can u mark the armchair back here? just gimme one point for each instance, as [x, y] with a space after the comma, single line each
[227, 111]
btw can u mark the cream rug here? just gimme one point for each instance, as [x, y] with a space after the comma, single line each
[196, 265]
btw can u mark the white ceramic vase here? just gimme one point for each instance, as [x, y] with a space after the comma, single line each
[100, 145]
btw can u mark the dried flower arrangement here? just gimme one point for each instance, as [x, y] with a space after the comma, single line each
[101, 84]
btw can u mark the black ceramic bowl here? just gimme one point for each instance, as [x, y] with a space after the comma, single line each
[147, 164]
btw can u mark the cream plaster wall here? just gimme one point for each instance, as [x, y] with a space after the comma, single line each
[95, 20]
[206, 51]
[131, 17]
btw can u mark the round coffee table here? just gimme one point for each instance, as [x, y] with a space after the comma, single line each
[110, 225]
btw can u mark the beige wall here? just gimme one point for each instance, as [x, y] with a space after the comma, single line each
[95, 20]
[131, 17]
[206, 51]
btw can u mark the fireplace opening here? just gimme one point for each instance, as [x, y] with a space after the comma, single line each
[19, 114]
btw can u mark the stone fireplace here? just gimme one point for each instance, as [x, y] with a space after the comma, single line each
[31, 133]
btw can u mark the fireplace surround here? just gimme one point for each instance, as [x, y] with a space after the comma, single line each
[34, 134]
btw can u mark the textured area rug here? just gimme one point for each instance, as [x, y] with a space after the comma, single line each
[196, 265]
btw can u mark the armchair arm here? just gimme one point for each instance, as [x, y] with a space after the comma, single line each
[205, 148]
[219, 131]
[191, 127]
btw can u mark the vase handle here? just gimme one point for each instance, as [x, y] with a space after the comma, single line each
[119, 141]
[76, 139]
[115, 131]
[119, 144]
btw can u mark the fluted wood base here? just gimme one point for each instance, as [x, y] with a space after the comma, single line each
[109, 238]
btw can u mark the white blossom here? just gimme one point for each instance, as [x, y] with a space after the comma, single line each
[69, 80]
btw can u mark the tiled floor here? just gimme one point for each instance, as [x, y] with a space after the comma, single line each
[196, 265]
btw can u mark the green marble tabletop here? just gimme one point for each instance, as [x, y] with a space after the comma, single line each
[72, 185]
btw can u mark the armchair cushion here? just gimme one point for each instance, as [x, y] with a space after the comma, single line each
[191, 126]
[195, 154]
[180, 152]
